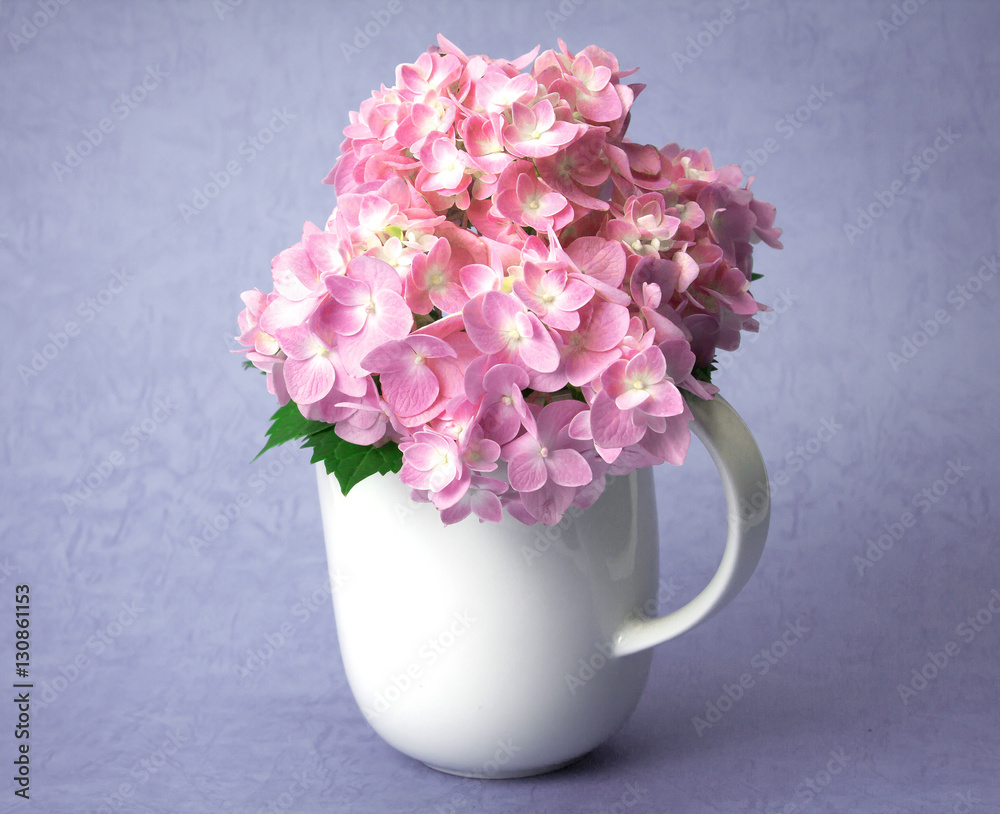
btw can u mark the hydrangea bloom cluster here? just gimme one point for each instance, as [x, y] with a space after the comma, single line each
[509, 289]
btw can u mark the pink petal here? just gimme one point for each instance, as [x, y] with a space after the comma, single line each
[631, 398]
[300, 343]
[387, 357]
[361, 436]
[486, 505]
[460, 510]
[671, 445]
[555, 417]
[539, 352]
[666, 400]
[354, 348]
[579, 427]
[392, 315]
[325, 252]
[478, 278]
[410, 390]
[289, 269]
[649, 365]
[679, 358]
[583, 366]
[608, 326]
[689, 270]
[309, 380]
[284, 313]
[575, 295]
[376, 274]
[567, 467]
[430, 346]
[482, 326]
[452, 492]
[612, 427]
[527, 472]
[501, 422]
[348, 291]
[504, 378]
[548, 504]
[423, 457]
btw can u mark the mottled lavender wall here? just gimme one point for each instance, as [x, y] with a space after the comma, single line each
[874, 129]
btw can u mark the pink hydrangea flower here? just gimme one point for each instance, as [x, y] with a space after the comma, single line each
[479, 499]
[365, 309]
[251, 334]
[443, 166]
[434, 281]
[510, 285]
[592, 347]
[553, 295]
[634, 394]
[527, 200]
[502, 327]
[432, 462]
[544, 464]
[534, 132]
[411, 382]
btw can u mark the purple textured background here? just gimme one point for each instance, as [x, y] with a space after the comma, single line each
[148, 697]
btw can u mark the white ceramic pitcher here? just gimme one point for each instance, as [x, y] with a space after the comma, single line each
[505, 650]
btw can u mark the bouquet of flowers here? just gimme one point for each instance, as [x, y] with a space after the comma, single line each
[510, 295]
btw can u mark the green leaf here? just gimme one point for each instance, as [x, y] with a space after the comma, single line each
[755, 276]
[247, 364]
[351, 463]
[287, 424]
[704, 374]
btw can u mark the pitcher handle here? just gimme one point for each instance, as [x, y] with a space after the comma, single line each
[748, 504]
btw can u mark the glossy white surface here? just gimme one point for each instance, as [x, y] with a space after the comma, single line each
[502, 650]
